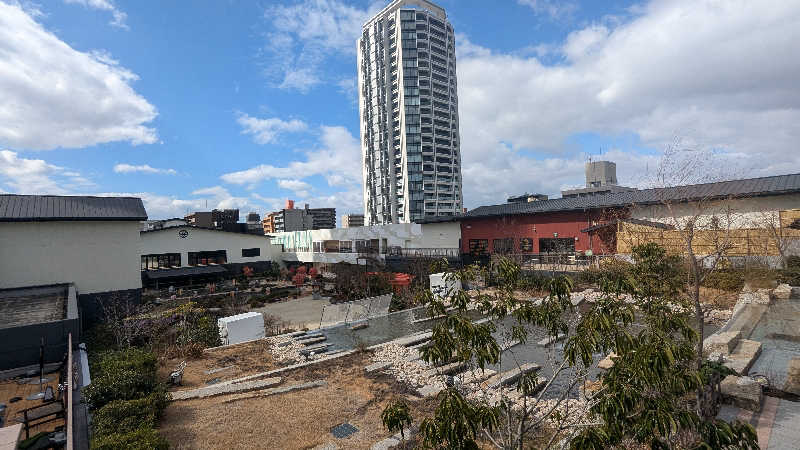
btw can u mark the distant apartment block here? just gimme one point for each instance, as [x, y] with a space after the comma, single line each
[408, 109]
[254, 223]
[217, 218]
[352, 220]
[296, 219]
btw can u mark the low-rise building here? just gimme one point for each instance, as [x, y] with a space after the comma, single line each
[89, 242]
[352, 220]
[182, 252]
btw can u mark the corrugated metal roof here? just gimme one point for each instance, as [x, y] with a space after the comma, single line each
[752, 187]
[34, 208]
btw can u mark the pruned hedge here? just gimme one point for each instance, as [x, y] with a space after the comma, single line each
[141, 439]
[125, 416]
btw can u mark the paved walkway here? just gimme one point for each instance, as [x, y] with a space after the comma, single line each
[777, 425]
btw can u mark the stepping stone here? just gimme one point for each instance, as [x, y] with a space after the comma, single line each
[359, 326]
[743, 357]
[426, 319]
[315, 348]
[474, 376]
[430, 390]
[511, 376]
[550, 339]
[792, 385]
[743, 392]
[377, 366]
[311, 341]
[446, 369]
[723, 342]
[217, 370]
[225, 388]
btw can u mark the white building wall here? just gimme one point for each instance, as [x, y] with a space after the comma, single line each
[97, 256]
[742, 212]
[441, 235]
[199, 239]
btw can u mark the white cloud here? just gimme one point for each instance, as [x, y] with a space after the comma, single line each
[52, 95]
[119, 17]
[265, 131]
[714, 73]
[144, 168]
[305, 34]
[36, 176]
[338, 159]
[554, 9]
[300, 188]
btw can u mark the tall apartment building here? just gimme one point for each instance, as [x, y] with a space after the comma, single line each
[352, 220]
[408, 107]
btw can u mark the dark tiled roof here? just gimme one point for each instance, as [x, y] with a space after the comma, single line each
[35, 208]
[193, 227]
[752, 187]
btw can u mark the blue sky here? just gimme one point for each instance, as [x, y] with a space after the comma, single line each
[245, 103]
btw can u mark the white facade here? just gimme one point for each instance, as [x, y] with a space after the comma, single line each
[97, 256]
[735, 213]
[408, 109]
[187, 239]
[347, 244]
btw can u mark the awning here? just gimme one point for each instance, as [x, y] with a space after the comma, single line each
[183, 272]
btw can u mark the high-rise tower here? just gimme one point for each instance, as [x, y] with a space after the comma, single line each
[408, 106]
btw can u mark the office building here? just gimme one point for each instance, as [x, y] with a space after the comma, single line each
[254, 223]
[408, 107]
[352, 220]
[216, 218]
[296, 219]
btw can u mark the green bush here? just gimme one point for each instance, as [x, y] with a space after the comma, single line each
[135, 359]
[125, 416]
[726, 280]
[121, 385]
[141, 439]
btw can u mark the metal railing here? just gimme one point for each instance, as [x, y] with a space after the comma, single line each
[424, 252]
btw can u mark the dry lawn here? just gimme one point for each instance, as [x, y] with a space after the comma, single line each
[294, 420]
[718, 298]
[246, 359]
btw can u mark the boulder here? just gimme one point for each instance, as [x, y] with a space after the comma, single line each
[793, 377]
[782, 292]
[724, 342]
[607, 362]
[743, 392]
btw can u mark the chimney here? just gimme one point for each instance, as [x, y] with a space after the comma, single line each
[289, 204]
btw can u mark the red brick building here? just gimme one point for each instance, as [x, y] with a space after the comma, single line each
[549, 232]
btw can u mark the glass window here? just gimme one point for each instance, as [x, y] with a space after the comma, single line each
[251, 252]
[479, 247]
[503, 246]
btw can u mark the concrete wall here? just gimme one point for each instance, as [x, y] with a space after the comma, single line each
[441, 235]
[198, 239]
[96, 256]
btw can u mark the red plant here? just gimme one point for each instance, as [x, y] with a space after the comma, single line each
[312, 272]
[299, 279]
[301, 269]
[247, 271]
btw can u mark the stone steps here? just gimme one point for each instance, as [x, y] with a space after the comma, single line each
[225, 388]
[511, 376]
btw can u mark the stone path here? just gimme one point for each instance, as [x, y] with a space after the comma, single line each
[777, 425]
[511, 376]
[225, 388]
[280, 390]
